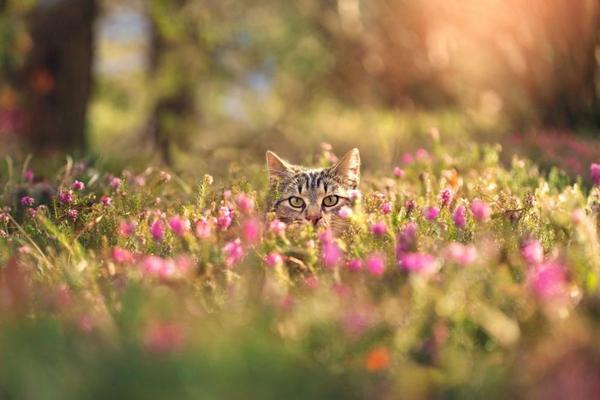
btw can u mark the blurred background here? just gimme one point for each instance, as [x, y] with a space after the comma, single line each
[197, 84]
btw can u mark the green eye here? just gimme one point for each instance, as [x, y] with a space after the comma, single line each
[296, 202]
[330, 201]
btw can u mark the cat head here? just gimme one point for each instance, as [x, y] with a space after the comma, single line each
[312, 195]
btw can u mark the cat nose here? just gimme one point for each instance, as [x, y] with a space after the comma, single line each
[314, 219]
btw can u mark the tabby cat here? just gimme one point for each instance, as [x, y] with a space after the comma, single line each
[312, 195]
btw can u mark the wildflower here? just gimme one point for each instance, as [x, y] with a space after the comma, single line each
[65, 197]
[121, 256]
[277, 227]
[445, 198]
[115, 182]
[354, 195]
[208, 179]
[461, 254]
[86, 324]
[578, 216]
[345, 212]
[481, 210]
[330, 251]
[72, 214]
[273, 259]
[378, 359]
[224, 219]
[431, 213]
[106, 200]
[78, 185]
[226, 194]
[157, 230]
[245, 204]
[28, 176]
[406, 238]
[165, 176]
[410, 206]
[459, 217]
[595, 173]
[376, 264]
[399, 172]
[32, 212]
[234, 252]
[139, 181]
[179, 226]
[548, 281]
[421, 155]
[422, 263]
[378, 228]
[326, 236]
[183, 263]
[251, 231]
[203, 228]
[407, 159]
[4, 217]
[532, 252]
[127, 228]
[164, 338]
[311, 282]
[27, 201]
[152, 265]
[354, 264]
[386, 207]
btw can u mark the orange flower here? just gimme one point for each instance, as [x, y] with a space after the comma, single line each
[377, 359]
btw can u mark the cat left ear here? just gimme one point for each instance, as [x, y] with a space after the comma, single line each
[277, 167]
[348, 168]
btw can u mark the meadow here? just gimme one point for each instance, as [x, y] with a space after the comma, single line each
[459, 277]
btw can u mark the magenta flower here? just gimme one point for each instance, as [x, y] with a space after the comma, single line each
[386, 207]
[410, 206]
[203, 228]
[28, 176]
[27, 201]
[595, 173]
[245, 204]
[378, 228]
[399, 172]
[251, 231]
[273, 259]
[331, 254]
[459, 217]
[121, 256]
[326, 236]
[422, 263]
[277, 227]
[153, 265]
[157, 230]
[32, 212]
[127, 228]
[445, 198]
[548, 281]
[461, 254]
[407, 158]
[431, 213]
[72, 214]
[481, 210]
[345, 212]
[234, 252]
[532, 252]
[65, 197]
[77, 185]
[376, 264]
[224, 219]
[106, 200]
[179, 226]
[354, 264]
[406, 239]
[115, 182]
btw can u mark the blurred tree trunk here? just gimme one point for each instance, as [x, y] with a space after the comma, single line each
[59, 73]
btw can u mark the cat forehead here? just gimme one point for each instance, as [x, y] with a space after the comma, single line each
[312, 180]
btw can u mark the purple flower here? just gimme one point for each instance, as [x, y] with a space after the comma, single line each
[532, 252]
[406, 239]
[224, 219]
[251, 231]
[234, 252]
[410, 206]
[431, 213]
[179, 225]
[386, 207]
[65, 197]
[376, 264]
[481, 210]
[461, 254]
[378, 228]
[595, 173]
[27, 201]
[72, 214]
[77, 185]
[331, 254]
[354, 264]
[273, 259]
[422, 263]
[459, 217]
[548, 281]
[445, 198]
[157, 230]
[399, 172]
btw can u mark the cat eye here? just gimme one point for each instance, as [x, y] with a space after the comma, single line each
[296, 202]
[331, 200]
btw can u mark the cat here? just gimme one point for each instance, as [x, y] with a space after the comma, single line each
[312, 195]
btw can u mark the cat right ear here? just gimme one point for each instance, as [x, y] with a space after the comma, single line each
[277, 167]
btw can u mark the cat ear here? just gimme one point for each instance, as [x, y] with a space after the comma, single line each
[277, 167]
[348, 168]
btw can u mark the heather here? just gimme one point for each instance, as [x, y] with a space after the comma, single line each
[458, 276]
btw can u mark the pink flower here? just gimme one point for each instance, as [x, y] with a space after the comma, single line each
[77, 185]
[532, 252]
[354, 195]
[386, 207]
[245, 204]
[121, 256]
[115, 182]
[331, 254]
[410, 206]
[273, 259]
[431, 213]
[203, 228]
[224, 219]
[461, 254]
[378, 228]
[183, 263]
[407, 158]
[595, 173]
[277, 227]
[4, 217]
[345, 212]
[72, 214]
[179, 226]
[421, 263]
[578, 216]
[354, 264]
[251, 231]
[459, 217]
[106, 200]
[445, 198]
[548, 281]
[127, 228]
[399, 172]
[481, 210]
[27, 201]
[152, 265]
[139, 181]
[157, 230]
[65, 197]
[326, 236]
[422, 155]
[376, 264]
[32, 212]
[234, 252]
[164, 338]
[28, 176]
